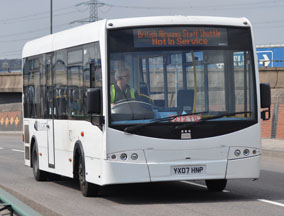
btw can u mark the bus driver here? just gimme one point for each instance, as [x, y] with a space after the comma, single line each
[121, 90]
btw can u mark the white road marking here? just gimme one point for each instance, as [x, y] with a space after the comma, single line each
[271, 202]
[225, 191]
[17, 150]
[200, 185]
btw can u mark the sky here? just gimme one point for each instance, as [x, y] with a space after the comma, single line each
[24, 20]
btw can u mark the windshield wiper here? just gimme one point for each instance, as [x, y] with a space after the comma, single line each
[180, 127]
[139, 126]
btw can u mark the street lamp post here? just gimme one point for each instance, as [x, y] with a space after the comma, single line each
[50, 16]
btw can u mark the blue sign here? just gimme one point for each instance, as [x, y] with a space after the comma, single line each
[270, 56]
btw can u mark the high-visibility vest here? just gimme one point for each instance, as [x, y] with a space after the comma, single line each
[131, 91]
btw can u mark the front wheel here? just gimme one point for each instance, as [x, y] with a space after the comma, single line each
[87, 189]
[39, 175]
[216, 185]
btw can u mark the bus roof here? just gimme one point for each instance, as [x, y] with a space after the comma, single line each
[68, 38]
[177, 20]
[91, 32]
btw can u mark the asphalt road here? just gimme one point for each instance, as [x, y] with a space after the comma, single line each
[242, 197]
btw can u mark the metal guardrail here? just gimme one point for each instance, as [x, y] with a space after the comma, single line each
[6, 209]
[13, 206]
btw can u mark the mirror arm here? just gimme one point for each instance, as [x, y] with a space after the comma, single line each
[98, 120]
[263, 114]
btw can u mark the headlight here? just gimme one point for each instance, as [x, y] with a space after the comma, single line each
[134, 156]
[239, 152]
[246, 152]
[123, 156]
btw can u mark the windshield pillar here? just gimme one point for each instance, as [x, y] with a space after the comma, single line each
[206, 87]
[184, 70]
[165, 81]
[229, 82]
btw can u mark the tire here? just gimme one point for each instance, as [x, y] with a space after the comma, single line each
[39, 175]
[87, 189]
[217, 185]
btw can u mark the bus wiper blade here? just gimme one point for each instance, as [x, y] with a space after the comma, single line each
[139, 126]
[180, 127]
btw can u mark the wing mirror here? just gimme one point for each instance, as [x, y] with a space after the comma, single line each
[94, 106]
[265, 96]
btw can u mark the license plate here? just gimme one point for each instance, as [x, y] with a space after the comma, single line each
[188, 170]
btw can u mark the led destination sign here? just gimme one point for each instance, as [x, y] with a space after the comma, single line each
[180, 36]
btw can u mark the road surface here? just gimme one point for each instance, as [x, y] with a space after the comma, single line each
[241, 197]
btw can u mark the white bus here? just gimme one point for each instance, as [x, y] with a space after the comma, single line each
[189, 108]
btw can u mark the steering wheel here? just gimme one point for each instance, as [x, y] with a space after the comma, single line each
[131, 110]
[130, 102]
[122, 100]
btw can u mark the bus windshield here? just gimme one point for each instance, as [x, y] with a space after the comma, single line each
[191, 72]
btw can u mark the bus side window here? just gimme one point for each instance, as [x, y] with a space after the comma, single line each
[31, 79]
[60, 85]
[75, 82]
[92, 66]
[25, 87]
[96, 69]
[96, 75]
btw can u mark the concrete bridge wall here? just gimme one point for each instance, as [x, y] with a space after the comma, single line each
[11, 82]
[274, 76]
[11, 101]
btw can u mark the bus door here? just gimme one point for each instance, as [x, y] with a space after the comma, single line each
[50, 108]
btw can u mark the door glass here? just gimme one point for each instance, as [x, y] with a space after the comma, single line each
[49, 91]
